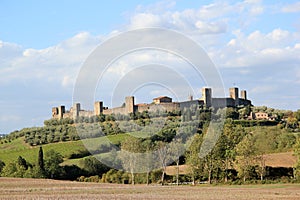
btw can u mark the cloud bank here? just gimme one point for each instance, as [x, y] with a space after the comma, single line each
[263, 61]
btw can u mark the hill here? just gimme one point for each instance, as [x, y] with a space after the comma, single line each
[235, 155]
[70, 149]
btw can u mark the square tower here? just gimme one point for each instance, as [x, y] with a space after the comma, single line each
[207, 96]
[244, 94]
[129, 104]
[98, 107]
[54, 112]
[76, 110]
[234, 93]
[61, 111]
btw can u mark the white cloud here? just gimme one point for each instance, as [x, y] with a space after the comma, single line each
[120, 68]
[54, 63]
[213, 27]
[9, 51]
[208, 19]
[67, 81]
[145, 20]
[290, 8]
[187, 21]
[263, 60]
[257, 48]
[279, 35]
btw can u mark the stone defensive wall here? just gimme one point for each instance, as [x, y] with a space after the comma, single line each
[169, 107]
[160, 103]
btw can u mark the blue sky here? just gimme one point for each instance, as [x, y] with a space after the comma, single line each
[254, 44]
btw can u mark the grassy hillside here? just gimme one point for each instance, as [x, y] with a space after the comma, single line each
[9, 152]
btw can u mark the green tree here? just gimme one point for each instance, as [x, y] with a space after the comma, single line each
[13, 170]
[176, 150]
[232, 135]
[193, 161]
[232, 113]
[162, 151]
[211, 150]
[246, 154]
[297, 115]
[261, 147]
[131, 147]
[292, 122]
[41, 159]
[52, 161]
[34, 172]
[2, 164]
[147, 160]
[244, 112]
[9, 170]
[22, 162]
[297, 154]
[93, 166]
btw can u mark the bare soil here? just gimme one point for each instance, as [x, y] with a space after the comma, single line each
[13, 188]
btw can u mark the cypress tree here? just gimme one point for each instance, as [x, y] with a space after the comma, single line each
[41, 159]
[22, 162]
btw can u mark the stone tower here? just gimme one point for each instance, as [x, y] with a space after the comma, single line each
[234, 94]
[98, 107]
[244, 94]
[76, 110]
[129, 104]
[207, 96]
[54, 112]
[61, 111]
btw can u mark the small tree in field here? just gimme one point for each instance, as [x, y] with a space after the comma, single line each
[148, 159]
[52, 161]
[129, 155]
[176, 150]
[41, 159]
[297, 154]
[246, 154]
[192, 157]
[2, 164]
[162, 151]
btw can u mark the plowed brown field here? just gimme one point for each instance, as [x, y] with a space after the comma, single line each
[11, 188]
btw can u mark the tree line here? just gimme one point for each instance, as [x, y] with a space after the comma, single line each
[237, 156]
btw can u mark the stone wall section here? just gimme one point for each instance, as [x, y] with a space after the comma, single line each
[130, 107]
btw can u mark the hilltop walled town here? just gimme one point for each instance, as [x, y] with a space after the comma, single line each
[163, 102]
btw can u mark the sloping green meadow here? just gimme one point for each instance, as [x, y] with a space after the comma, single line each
[9, 152]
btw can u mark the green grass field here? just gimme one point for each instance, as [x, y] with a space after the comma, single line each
[9, 152]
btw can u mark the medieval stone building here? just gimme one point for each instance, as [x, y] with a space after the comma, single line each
[159, 103]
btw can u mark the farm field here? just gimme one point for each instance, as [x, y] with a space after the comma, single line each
[14, 188]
